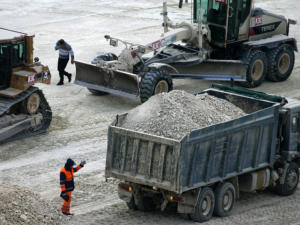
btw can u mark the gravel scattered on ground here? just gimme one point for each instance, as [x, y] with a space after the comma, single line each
[176, 113]
[21, 206]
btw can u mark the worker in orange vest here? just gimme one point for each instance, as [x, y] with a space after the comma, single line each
[67, 183]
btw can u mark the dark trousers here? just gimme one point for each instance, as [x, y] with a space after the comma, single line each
[61, 66]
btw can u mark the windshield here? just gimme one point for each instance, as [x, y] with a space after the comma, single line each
[213, 11]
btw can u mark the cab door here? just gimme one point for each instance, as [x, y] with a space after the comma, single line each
[294, 142]
[5, 66]
[238, 12]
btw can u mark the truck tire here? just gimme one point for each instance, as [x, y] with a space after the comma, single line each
[146, 204]
[257, 69]
[205, 205]
[225, 199]
[96, 92]
[291, 181]
[281, 63]
[131, 204]
[155, 82]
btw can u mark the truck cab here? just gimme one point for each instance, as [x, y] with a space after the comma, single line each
[290, 130]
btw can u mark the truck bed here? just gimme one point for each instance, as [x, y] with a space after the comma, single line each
[203, 156]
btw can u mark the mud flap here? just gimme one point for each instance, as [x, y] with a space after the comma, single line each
[110, 81]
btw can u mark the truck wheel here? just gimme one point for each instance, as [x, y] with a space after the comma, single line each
[257, 69]
[96, 92]
[225, 199]
[145, 204]
[155, 82]
[204, 206]
[281, 63]
[291, 181]
[131, 204]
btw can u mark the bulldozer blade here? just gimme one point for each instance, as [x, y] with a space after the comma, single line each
[224, 70]
[110, 81]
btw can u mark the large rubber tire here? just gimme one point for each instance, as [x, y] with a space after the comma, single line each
[257, 69]
[291, 181]
[204, 206]
[225, 198]
[281, 63]
[131, 204]
[146, 204]
[96, 92]
[150, 82]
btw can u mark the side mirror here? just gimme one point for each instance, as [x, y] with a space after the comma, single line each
[113, 42]
[141, 50]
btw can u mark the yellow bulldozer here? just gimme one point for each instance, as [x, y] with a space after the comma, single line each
[24, 111]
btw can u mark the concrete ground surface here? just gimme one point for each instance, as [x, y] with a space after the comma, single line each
[80, 119]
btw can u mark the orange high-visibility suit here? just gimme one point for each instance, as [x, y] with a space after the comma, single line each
[67, 183]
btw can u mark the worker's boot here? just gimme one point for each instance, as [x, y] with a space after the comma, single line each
[68, 214]
[60, 83]
[69, 77]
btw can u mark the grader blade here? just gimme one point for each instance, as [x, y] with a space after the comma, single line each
[222, 70]
[110, 81]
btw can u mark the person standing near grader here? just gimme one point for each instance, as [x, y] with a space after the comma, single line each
[64, 51]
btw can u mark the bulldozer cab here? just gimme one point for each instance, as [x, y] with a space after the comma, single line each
[227, 20]
[17, 70]
[4, 65]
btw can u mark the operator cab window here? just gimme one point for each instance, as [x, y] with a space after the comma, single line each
[295, 124]
[245, 12]
[18, 54]
[4, 54]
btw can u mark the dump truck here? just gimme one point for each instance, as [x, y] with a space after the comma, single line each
[24, 110]
[203, 173]
[227, 40]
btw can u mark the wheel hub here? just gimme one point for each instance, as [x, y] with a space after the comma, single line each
[284, 63]
[257, 70]
[227, 200]
[292, 179]
[206, 205]
[161, 86]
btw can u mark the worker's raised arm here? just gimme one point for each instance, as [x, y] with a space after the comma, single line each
[79, 166]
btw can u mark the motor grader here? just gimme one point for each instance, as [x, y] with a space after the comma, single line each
[24, 111]
[227, 40]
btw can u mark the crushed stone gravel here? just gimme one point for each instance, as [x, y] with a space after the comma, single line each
[175, 114]
[21, 206]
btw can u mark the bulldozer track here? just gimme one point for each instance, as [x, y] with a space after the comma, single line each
[44, 109]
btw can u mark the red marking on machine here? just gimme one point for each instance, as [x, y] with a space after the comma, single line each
[31, 79]
[157, 44]
[221, 1]
[258, 20]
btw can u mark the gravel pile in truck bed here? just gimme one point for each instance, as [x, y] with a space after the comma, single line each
[176, 113]
[21, 206]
